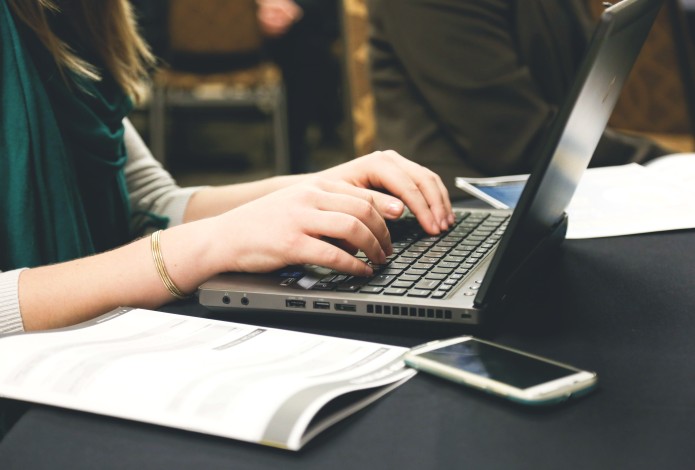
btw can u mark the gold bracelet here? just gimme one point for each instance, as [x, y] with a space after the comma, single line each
[161, 269]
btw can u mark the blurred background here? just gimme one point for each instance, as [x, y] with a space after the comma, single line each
[238, 97]
[251, 88]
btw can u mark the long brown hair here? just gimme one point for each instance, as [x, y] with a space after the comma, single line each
[109, 25]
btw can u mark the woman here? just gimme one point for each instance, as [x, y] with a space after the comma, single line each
[78, 185]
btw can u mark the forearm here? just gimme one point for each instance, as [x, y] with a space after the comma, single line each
[213, 201]
[262, 234]
[67, 293]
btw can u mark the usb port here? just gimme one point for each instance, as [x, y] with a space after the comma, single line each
[295, 303]
[322, 305]
[346, 307]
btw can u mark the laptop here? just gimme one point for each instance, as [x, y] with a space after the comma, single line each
[464, 275]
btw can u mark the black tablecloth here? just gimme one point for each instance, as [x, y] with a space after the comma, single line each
[620, 306]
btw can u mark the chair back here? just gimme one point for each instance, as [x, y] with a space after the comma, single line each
[212, 33]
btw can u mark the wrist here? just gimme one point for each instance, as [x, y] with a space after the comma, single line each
[190, 254]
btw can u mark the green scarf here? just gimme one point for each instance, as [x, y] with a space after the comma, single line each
[62, 185]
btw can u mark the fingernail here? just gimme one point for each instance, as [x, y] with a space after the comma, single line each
[435, 228]
[395, 208]
[452, 218]
[444, 225]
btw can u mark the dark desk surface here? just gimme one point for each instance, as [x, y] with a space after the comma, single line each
[624, 307]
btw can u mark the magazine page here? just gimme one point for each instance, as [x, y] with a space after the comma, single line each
[244, 382]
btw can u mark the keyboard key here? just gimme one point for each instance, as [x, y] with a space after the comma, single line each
[439, 270]
[428, 284]
[395, 291]
[397, 265]
[371, 289]
[425, 266]
[436, 276]
[446, 264]
[388, 271]
[419, 293]
[403, 284]
[381, 280]
[323, 286]
[348, 287]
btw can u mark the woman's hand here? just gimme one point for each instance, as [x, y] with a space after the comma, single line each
[326, 217]
[318, 221]
[419, 188]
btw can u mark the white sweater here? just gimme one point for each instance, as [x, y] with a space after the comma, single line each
[151, 189]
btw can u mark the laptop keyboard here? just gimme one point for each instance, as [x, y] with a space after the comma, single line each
[423, 265]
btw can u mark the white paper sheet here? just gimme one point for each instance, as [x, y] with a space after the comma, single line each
[632, 199]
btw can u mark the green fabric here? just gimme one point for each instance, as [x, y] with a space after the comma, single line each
[62, 185]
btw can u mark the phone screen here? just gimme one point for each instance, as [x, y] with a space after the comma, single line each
[506, 193]
[498, 364]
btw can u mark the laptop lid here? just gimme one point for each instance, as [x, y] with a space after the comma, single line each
[569, 143]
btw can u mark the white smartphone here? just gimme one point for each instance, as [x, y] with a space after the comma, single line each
[510, 373]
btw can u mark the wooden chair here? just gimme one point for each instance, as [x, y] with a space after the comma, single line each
[658, 99]
[215, 60]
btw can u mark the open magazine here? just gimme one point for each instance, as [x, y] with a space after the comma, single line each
[256, 384]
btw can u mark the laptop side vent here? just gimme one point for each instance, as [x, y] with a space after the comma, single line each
[404, 311]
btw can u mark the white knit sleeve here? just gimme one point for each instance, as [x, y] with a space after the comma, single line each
[153, 195]
[10, 315]
[153, 192]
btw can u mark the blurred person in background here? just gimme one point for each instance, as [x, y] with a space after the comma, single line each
[301, 36]
[468, 87]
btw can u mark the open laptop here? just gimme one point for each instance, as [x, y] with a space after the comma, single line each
[465, 274]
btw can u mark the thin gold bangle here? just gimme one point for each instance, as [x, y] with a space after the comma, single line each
[156, 249]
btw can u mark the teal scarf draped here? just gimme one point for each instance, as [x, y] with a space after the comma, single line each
[62, 185]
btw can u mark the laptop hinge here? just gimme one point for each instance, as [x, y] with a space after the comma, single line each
[530, 267]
